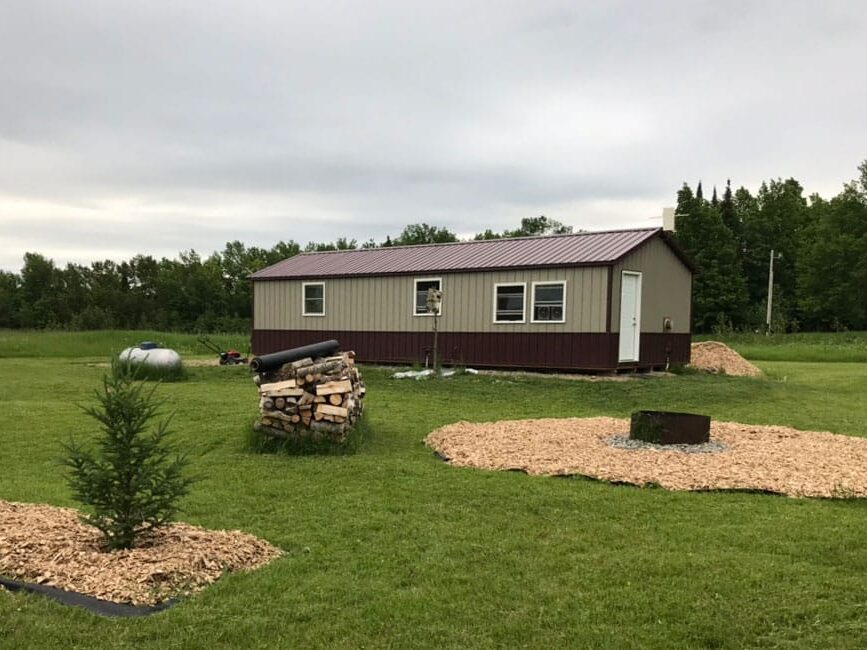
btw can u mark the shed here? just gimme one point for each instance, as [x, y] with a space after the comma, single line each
[586, 301]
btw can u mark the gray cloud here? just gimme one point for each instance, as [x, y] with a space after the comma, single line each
[168, 126]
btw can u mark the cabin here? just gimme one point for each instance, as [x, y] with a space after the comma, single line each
[600, 301]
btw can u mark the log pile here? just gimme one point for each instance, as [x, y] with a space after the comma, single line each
[311, 398]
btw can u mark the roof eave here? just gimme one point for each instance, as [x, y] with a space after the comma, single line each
[473, 269]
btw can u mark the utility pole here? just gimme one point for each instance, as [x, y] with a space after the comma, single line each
[770, 292]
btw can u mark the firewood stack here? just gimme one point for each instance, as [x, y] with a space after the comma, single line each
[319, 398]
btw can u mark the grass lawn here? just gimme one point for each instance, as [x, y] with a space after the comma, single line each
[390, 547]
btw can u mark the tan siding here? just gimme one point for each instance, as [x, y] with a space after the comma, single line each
[386, 303]
[666, 288]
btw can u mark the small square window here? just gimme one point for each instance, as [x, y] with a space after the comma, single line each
[314, 299]
[549, 302]
[421, 287]
[510, 303]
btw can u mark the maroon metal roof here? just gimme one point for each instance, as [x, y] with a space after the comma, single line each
[581, 249]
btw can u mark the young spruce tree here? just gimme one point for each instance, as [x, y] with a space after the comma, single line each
[134, 479]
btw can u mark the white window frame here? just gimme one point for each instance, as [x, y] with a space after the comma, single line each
[304, 286]
[533, 301]
[523, 285]
[415, 294]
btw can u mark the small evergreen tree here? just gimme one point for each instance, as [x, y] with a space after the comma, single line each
[134, 478]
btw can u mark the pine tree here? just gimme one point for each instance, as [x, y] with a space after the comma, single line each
[134, 479]
[729, 213]
[719, 293]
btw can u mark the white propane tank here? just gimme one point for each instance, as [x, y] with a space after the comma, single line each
[157, 357]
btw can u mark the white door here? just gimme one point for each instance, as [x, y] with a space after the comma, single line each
[630, 315]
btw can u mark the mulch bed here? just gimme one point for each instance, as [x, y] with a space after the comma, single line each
[766, 458]
[48, 545]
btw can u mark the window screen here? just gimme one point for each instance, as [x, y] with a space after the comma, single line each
[510, 303]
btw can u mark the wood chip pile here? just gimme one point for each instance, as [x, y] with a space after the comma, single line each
[47, 545]
[768, 458]
[319, 399]
[717, 357]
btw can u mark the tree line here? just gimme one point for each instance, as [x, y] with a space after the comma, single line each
[188, 293]
[820, 268]
[819, 247]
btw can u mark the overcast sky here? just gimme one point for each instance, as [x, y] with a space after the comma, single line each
[156, 127]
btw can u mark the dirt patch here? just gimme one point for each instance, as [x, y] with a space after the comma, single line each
[575, 376]
[49, 546]
[769, 458]
[717, 357]
[189, 363]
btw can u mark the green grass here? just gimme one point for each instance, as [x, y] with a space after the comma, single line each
[102, 344]
[811, 346]
[390, 547]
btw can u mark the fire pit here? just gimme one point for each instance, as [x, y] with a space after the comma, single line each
[667, 428]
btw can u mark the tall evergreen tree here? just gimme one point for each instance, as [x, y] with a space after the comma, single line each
[719, 294]
[777, 224]
[729, 212]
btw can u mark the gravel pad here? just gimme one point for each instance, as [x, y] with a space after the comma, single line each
[750, 457]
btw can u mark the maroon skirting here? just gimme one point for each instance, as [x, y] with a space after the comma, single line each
[568, 351]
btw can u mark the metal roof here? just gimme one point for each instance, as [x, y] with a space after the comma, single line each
[580, 249]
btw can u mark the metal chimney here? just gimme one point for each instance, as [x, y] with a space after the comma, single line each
[668, 219]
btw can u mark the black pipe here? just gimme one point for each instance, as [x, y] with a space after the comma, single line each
[276, 359]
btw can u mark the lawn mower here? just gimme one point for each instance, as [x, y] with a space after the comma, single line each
[227, 357]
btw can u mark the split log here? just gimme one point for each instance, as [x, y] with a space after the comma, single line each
[328, 409]
[277, 386]
[344, 386]
[277, 415]
[280, 403]
[328, 427]
[281, 392]
[336, 399]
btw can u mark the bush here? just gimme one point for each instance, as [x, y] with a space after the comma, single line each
[134, 479]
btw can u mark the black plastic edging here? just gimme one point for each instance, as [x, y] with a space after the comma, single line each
[91, 604]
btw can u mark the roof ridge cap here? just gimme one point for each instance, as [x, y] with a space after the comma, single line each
[583, 233]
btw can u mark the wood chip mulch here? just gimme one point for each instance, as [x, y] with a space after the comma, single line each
[48, 545]
[766, 458]
[716, 357]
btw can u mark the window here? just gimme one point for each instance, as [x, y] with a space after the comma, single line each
[421, 287]
[314, 299]
[510, 303]
[549, 302]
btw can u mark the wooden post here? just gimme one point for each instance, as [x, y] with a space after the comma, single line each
[434, 300]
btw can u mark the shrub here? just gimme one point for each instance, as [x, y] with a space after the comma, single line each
[134, 479]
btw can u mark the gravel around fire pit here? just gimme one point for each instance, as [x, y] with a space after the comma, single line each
[767, 458]
[49, 546]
